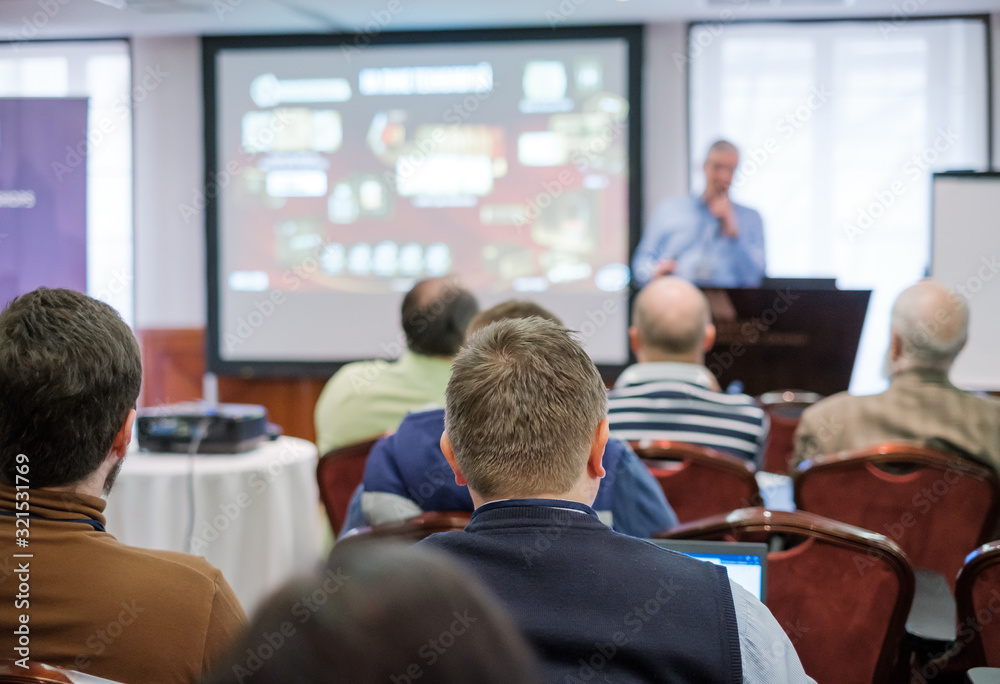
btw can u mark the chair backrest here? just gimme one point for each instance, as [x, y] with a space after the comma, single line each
[977, 593]
[842, 595]
[699, 481]
[784, 410]
[412, 529]
[339, 473]
[937, 506]
[35, 673]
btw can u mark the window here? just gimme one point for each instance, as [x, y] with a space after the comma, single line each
[840, 125]
[100, 71]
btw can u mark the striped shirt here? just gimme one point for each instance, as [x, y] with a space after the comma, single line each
[678, 402]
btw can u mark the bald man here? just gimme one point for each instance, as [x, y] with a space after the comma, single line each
[669, 394]
[706, 239]
[930, 325]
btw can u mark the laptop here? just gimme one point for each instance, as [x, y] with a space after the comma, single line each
[745, 562]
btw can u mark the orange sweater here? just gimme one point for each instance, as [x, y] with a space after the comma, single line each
[96, 605]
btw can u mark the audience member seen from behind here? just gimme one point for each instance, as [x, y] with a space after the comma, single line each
[365, 399]
[382, 614]
[930, 325]
[525, 429]
[670, 394]
[69, 380]
[406, 473]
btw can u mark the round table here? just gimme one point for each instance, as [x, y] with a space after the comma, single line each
[256, 514]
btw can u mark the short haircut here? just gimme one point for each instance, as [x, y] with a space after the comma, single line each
[377, 611]
[436, 314]
[512, 308]
[933, 324]
[723, 146]
[677, 330]
[522, 407]
[70, 372]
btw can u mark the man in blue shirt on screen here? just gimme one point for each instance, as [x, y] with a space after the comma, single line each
[708, 240]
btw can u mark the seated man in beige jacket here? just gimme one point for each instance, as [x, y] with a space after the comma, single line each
[930, 325]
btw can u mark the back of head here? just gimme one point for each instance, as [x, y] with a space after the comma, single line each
[523, 404]
[671, 317]
[932, 324]
[70, 372]
[510, 309]
[436, 314]
[382, 613]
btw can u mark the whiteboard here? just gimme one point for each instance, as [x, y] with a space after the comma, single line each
[965, 256]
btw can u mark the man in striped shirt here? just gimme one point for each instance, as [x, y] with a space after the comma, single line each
[669, 394]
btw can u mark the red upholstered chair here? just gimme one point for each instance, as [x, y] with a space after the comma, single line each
[841, 593]
[339, 473]
[35, 673]
[784, 409]
[938, 507]
[413, 529]
[977, 593]
[699, 481]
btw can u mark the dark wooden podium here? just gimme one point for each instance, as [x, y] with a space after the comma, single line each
[786, 338]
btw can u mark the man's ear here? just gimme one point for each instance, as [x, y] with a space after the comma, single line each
[709, 341]
[124, 436]
[449, 455]
[633, 339]
[595, 463]
[895, 346]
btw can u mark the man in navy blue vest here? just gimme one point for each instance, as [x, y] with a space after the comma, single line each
[525, 429]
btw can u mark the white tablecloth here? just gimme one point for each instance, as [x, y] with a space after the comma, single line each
[256, 515]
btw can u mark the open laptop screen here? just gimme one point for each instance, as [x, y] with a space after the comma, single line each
[745, 562]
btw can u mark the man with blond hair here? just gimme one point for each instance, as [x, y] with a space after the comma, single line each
[406, 473]
[525, 430]
[930, 325]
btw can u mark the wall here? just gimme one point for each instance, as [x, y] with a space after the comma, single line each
[169, 252]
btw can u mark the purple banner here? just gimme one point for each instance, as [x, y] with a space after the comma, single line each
[43, 195]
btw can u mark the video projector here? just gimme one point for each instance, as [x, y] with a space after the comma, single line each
[222, 428]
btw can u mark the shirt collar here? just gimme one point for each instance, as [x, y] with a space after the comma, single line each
[560, 504]
[666, 370]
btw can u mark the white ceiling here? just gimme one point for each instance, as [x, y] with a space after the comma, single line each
[46, 19]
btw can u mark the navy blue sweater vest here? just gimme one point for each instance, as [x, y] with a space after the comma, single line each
[599, 606]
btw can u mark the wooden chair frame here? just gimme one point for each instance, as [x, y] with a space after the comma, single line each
[412, 529]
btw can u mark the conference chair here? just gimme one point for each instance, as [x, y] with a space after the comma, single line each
[937, 506]
[410, 530]
[841, 593]
[35, 673]
[977, 623]
[339, 472]
[977, 592]
[784, 410]
[699, 481]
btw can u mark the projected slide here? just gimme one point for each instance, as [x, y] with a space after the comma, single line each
[345, 175]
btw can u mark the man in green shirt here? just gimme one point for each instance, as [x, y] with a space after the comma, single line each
[367, 398]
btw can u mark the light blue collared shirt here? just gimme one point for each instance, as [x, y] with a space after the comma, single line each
[683, 229]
